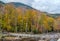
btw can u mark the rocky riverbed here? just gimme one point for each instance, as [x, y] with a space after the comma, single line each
[31, 37]
[28, 39]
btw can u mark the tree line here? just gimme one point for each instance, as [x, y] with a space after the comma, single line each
[20, 19]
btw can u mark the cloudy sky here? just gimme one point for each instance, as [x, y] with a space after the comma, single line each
[29, 2]
[51, 6]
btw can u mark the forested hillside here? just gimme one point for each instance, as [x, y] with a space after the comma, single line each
[26, 19]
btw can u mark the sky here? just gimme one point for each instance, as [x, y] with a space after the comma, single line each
[28, 2]
[50, 6]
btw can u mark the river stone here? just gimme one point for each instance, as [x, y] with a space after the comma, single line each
[42, 40]
[58, 39]
[53, 39]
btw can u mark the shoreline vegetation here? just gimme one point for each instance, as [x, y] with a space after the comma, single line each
[15, 20]
[28, 20]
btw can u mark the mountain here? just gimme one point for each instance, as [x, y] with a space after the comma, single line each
[18, 4]
[2, 2]
[54, 15]
[19, 7]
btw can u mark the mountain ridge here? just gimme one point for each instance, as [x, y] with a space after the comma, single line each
[18, 4]
[2, 2]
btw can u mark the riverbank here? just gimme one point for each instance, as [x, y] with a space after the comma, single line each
[35, 37]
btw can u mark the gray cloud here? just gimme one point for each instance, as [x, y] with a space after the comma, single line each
[52, 6]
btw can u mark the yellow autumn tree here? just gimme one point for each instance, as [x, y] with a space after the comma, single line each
[46, 23]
